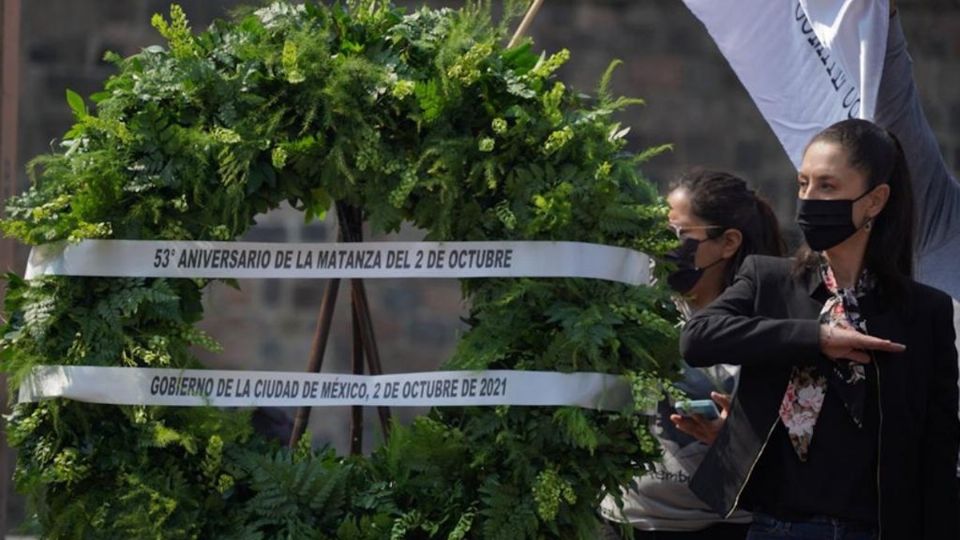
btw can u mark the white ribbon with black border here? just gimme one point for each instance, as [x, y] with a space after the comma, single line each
[189, 259]
[225, 388]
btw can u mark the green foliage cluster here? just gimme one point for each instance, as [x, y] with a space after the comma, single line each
[418, 117]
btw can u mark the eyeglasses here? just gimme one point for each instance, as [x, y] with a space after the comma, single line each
[681, 232]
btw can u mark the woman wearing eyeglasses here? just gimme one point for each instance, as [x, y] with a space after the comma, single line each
[844, 424]
[719, 221]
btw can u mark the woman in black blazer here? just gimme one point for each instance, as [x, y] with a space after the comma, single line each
[845, 421]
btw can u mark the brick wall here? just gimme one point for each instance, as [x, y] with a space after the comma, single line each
[693, 101]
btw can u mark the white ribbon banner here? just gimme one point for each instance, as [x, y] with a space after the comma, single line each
[218, 388]
[182, 259]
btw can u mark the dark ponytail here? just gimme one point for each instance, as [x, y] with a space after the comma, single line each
[720, 198]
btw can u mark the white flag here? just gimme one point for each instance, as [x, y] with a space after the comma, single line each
[805, 63]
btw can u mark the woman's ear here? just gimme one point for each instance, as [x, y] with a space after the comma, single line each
[877, 200]
[732, 240]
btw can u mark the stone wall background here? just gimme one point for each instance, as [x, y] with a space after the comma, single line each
[693, 101]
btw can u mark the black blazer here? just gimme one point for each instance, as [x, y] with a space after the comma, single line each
[766, 322]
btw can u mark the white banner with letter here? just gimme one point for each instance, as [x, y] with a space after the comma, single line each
[225, 388]
[806, 63]
[197, 259]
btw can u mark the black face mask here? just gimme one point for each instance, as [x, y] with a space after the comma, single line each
[826, 223]
[687, 274]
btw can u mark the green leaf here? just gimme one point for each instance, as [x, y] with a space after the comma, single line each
[76, 104]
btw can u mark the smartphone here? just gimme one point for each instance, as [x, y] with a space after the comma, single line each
[704, 407]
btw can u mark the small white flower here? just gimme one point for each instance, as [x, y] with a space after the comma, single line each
[810, 397]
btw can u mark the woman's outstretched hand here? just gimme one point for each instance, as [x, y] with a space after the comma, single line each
[700, 428]
[843, 343]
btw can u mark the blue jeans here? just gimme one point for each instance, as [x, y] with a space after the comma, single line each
[766, 527]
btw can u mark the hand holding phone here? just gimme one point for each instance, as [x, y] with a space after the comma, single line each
[693, 422]
[703, 407]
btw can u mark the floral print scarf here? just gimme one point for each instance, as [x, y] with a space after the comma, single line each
[807, 387]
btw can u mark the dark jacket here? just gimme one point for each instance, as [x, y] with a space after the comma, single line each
[767, 322]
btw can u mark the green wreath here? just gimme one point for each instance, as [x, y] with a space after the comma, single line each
[419, 118]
